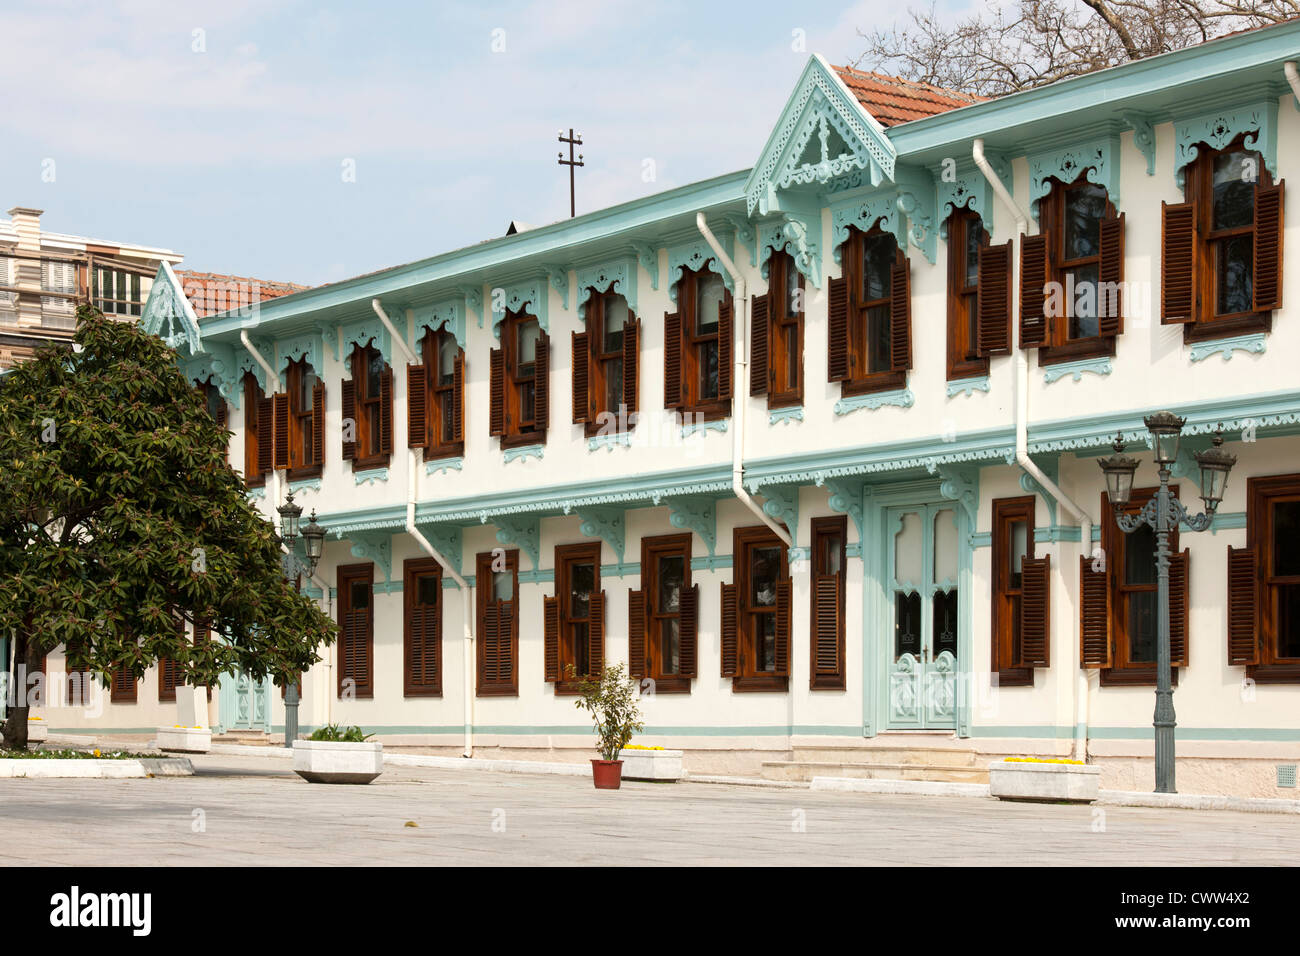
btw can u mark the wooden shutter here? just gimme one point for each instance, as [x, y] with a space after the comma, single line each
[728, 631]
[725, 343]
[417, 408]
[223, 415]
[1268, 247]
[169, 678]
[551, 637]
[596, 635]
[672, 359]
[993, 300]
[458, 398]
[636, 634]
[837, 331]
[759, 364]
[1033, 291]
[1094, 615]
[542, 388]
[496, 393]
[900, 316]
[349, 415]
[581, 371]
[1177, 263]
[784, 602]
[265, 438]
[356, 638]
[423, 640]
[280, 416]
[827, 669]
[1035, 612]
[1243, 606]
[631, 362]
[1178, 583]
[490, 647]
[318, 423]
[123, 687]
[688, 630]
[1110, 274]
[386, 411]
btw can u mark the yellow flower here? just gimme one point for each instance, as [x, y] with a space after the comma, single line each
[96, 753]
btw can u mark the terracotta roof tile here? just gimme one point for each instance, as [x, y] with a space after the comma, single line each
[892, 100]
[211, 292]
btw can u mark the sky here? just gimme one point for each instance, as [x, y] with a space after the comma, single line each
[302, 142]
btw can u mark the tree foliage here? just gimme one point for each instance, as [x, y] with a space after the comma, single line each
[1021, 44]
[120, 518]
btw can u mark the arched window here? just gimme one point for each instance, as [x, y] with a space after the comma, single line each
[368, 405]
[605, 365]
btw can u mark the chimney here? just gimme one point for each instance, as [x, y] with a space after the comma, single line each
[28, 271]
[27, 223]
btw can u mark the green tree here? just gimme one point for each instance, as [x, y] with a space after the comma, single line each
[120, 518]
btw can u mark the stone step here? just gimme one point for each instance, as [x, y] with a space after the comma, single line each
[947, 757]
[807, 769]
[249, 738]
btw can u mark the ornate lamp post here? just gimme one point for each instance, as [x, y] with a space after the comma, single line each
[313, 539]
[1164, 513]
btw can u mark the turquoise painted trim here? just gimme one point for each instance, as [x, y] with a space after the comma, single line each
[697, 514]
[584, 730]
[306, 484]
[903, 398]
[697, 254]
[259, 492]
[1097, 366]
[606, 523]
[1057, 533]
[621, 570]
[784, 416]
[527, 451]
[372, 476]
[449, 583]
[853, 550]
[167, 304]
[717, 425]
[448, 314]
[617, 276]
[1254, 114]
[714, 562]
[531, 296]
[794, 232]
[782, 503]
[537, 576]
[1251, 344]
[443, 465]
[1062, 732]
[1096, 153]
[968, 386]
[376, 547]
[1228, 521]
[960, 185]
[982, 539]
[1144, 137]
[609, 441]
[523, 531]
[306, 345]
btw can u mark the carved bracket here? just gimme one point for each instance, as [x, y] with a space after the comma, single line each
[961, 485]
[448, 314]
[531, 296]
[782, 503]
[447, 539]
[376, 547]
[1051, 467]
[793, 233]
[618, 277]
[1099, 158]
[473, 296]
[845, 498]
[1257, 120]
[647, 257]
[522, 531]
[697, 514]
[696, 255]
[370, 331]
[746, 234]
[559, 279]
[604, 523]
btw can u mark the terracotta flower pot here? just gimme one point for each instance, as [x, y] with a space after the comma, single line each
[607, 774]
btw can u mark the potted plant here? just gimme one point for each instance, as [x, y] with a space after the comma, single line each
[611, 701]
[334, 754]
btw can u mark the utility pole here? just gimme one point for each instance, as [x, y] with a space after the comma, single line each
[571, 163]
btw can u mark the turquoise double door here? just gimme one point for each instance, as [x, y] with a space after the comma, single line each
[245, 704]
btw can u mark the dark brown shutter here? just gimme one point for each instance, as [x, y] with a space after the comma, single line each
[458, 398]
[542, 388]
[636, 634]
[1094, 615]
[672, 359]
[581, 369]
[1178, 583]
[1110, 274]
[280, 414]
[1243, 606]
[726, 339]
[837, 331]
[423, 642]
[900, 316]
[759, 364]
[688, 630]
[784, 602]
[496, 393]
[730, 643]
[490, 647]
[1268, 247]
[826, 666]
[631, 362]
[123, 687]
[551, 637]
[1035, 612]
[318, 423]
[993, 300]
[265, 438]
[596, 635]
[386, 411]
[1177, 263]
[417, 410]
[349, 419]
[1033, 291]
[223, 416]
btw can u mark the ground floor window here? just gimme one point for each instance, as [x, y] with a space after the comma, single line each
[756, 613]
[497, 580]
[356, 648]
[422, 628]
[574, 620]
[662, 615]
[1264, 583]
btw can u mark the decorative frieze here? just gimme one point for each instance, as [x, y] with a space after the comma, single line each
[693, 256]
[448, 314]
[903, 398]
[1251, 344]
[531, 296]
[794, 233]
[616, 276]
[1098, 157]
[1217, 129]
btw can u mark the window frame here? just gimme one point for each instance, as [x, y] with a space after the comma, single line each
[483, 572]
[130, 305]
[566, 557]
[853, 250]
[1058, 346]
[780, 321]
[653, 548]
[1004, 634]
[254, 477]
[1261, 493]
[744, 542]
[516, 434]
[436, 393]
[688, 308]
[368, 434]
[598, 411]
[964, 360]
[301, 421]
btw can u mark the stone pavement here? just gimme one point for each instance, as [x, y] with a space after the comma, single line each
[246, 811]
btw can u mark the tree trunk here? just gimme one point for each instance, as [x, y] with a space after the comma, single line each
[15, 725]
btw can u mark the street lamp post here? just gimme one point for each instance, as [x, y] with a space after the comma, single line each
[313, 538]
[1164, 513]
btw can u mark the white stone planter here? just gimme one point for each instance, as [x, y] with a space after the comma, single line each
[1051, 782]
[655, 765]
[38, 730]
[107, 769]
[328, 761]
[186, 740]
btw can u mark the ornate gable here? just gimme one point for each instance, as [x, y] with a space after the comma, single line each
[169, 315]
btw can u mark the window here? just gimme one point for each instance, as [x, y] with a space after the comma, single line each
[422, 632]
[869, 346]
[574, 620]
[123, 688]
[1119, 616]
[1264, 583]
[170, 675]
[497, 583]
[776, 349]
[1072, 274]
[520, 380]
[663, 615]
[826, 647]
[1221, 262]
[756, 613]
[356, 648]
[60, 311]
[1020, 614]
[368, 404]
[697, 347]
[298, 422]
[605, 365]
[116, 292]
[435, 397]
[977, 320]
[210, 395]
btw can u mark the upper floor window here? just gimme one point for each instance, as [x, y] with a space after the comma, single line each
[210, 395]
[574, 620]
[497, 584]
[755, 631]
[116, 292]
[436, 397]
[776, 349]
[605, 361]
[697, 346]
[299, 422]
[368, 407]
[258, 433]
[869, 345]
[663, 615]
[520, 379]
[1264, 582]
[1072, 274]
[979, 296]
[1221, 258]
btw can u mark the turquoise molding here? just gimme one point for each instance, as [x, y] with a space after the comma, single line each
[217, 363]
[853, 550]
[1144, 138]
[305, 484]
[473, 296]
[530, 296]
[259, 492]
[1075, 370]
[907, 210]
[329, 336]
[781, 502]
[1050, 465]
[604, 522]
[245, 364]
[647, 257]
[1055, 533]
[558, 276]
[697, 514]
[903, 398]
[1252, 344]
[370, 332]
[167, 313]
[617, 276]
[609, 441]
[522, 531]
[1098, 156]
[714, 562]
[448, 314]
[537, 576]
[370, 476]
[795, 233]
[715, 425]
[745, 234]
[845, 497]
[447, 539]
[862, 213]
[1228, 521]
[525, 451]
[443, 465]
[962, 186]
[981, 539]
[961, 485]
[968, 386]
[798, 558]
[623, 569]
[784, 416]
[307, 345]
[695, 255]
[1218, 128]
[376, 547]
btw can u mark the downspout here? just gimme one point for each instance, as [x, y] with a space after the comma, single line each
[1079, 705]
[738, 378]
[466, 596]
[1293, 79]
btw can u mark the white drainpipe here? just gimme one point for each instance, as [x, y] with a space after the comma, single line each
[1080, 701]
[465, 591]
[738, 379]
[1292, 78]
